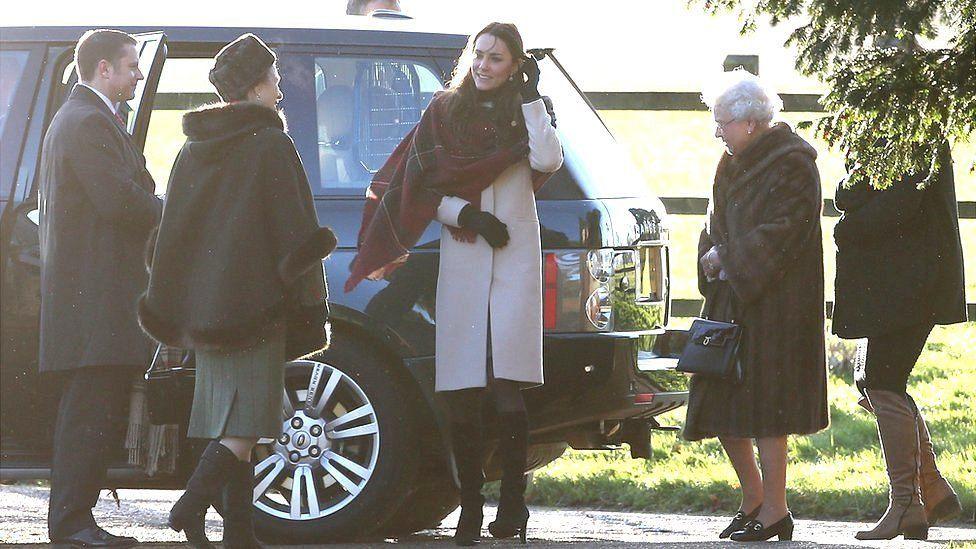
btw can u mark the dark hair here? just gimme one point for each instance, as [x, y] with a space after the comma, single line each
[98, 44]
[462, 99]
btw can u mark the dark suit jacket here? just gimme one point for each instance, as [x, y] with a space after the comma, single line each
[899, 256]
[97, 208]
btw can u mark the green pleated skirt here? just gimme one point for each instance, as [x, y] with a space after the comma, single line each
[238, 393]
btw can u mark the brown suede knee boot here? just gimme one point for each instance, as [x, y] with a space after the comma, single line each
[900, 446]
[941, 501]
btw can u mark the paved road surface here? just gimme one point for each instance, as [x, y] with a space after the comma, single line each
[23, 511]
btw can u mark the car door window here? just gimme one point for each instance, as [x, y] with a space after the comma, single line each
[183, 86]
[365, 106]
[12, 63]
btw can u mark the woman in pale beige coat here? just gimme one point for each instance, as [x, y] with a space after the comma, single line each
[489, 291]
[474, 162]
[495, 294]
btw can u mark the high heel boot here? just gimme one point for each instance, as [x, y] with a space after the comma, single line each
[940, 500]
[900, 447]
[513, 516]
[202, 490]
[469, 448]
[239, 508]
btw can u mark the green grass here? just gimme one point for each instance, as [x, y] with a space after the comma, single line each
[837, 473]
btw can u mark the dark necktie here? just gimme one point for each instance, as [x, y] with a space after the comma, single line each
[120, 119]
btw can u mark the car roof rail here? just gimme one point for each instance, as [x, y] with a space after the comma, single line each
[389, 14]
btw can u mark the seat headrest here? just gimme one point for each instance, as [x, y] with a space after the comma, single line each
[335, 112]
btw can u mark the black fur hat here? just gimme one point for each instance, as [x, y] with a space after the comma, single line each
[239, 65]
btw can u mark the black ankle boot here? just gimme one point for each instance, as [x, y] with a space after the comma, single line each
[239, 508]
[513, 449]
[202, 490]
[468, 443]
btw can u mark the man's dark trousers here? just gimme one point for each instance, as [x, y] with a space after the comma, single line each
[89, 432]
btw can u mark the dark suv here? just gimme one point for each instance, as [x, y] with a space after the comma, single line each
[382, 464]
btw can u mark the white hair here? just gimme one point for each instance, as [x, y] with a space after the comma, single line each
[743, 96]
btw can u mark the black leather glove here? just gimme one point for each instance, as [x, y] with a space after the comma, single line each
[485, 224]
[530, 84]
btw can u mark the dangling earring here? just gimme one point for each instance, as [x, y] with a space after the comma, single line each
[258, 95]
[511, 77]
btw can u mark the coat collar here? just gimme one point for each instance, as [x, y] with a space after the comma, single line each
[86, 94]
[212, 128]
[740, 170]
[225, 119]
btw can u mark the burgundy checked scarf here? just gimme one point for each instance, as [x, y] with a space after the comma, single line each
[429, 163]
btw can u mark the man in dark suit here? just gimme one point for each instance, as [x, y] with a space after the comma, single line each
[97, 207]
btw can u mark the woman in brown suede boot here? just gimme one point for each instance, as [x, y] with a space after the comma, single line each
[899, 273]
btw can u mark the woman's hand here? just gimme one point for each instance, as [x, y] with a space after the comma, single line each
[485, 224]
[711, 264]
[530, 84]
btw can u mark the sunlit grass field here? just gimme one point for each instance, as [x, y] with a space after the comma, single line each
[837, 473]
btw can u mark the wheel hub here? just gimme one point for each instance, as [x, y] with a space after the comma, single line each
[303, 439]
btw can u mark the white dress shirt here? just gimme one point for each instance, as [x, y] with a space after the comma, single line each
[113, 106]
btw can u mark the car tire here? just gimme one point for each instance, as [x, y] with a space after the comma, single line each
[364, 464]
[426, 507]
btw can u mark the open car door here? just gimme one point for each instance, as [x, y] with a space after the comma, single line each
[152, 54]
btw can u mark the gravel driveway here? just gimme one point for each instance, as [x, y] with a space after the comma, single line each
[23, 512]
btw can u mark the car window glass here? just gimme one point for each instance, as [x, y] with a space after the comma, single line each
[12, 64]
[365, 106]
[183, 86]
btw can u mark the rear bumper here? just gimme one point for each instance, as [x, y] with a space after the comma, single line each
[594, 378]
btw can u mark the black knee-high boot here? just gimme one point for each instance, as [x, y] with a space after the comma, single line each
[239, 508]
[469, 448]
[513, 449]
[202, 490]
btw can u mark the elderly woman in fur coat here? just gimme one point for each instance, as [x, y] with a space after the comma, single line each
[761, 266]
[237, 276]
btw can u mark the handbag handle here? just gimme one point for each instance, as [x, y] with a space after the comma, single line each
[711, 288]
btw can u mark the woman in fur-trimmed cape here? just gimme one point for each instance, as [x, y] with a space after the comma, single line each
[237, 276]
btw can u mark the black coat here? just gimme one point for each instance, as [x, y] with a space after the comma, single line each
[239, 245]
[899, 256]
[97, 207]
[764, 219]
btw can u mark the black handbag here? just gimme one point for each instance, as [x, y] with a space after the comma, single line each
[169, 386]
[712, 350]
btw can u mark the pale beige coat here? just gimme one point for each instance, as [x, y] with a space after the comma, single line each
[476, 280]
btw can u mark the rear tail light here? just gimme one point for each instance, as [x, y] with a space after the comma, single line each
[550, 291]
[643, 398]
[599, 307]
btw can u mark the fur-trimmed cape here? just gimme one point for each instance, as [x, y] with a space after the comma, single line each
[239, 245]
